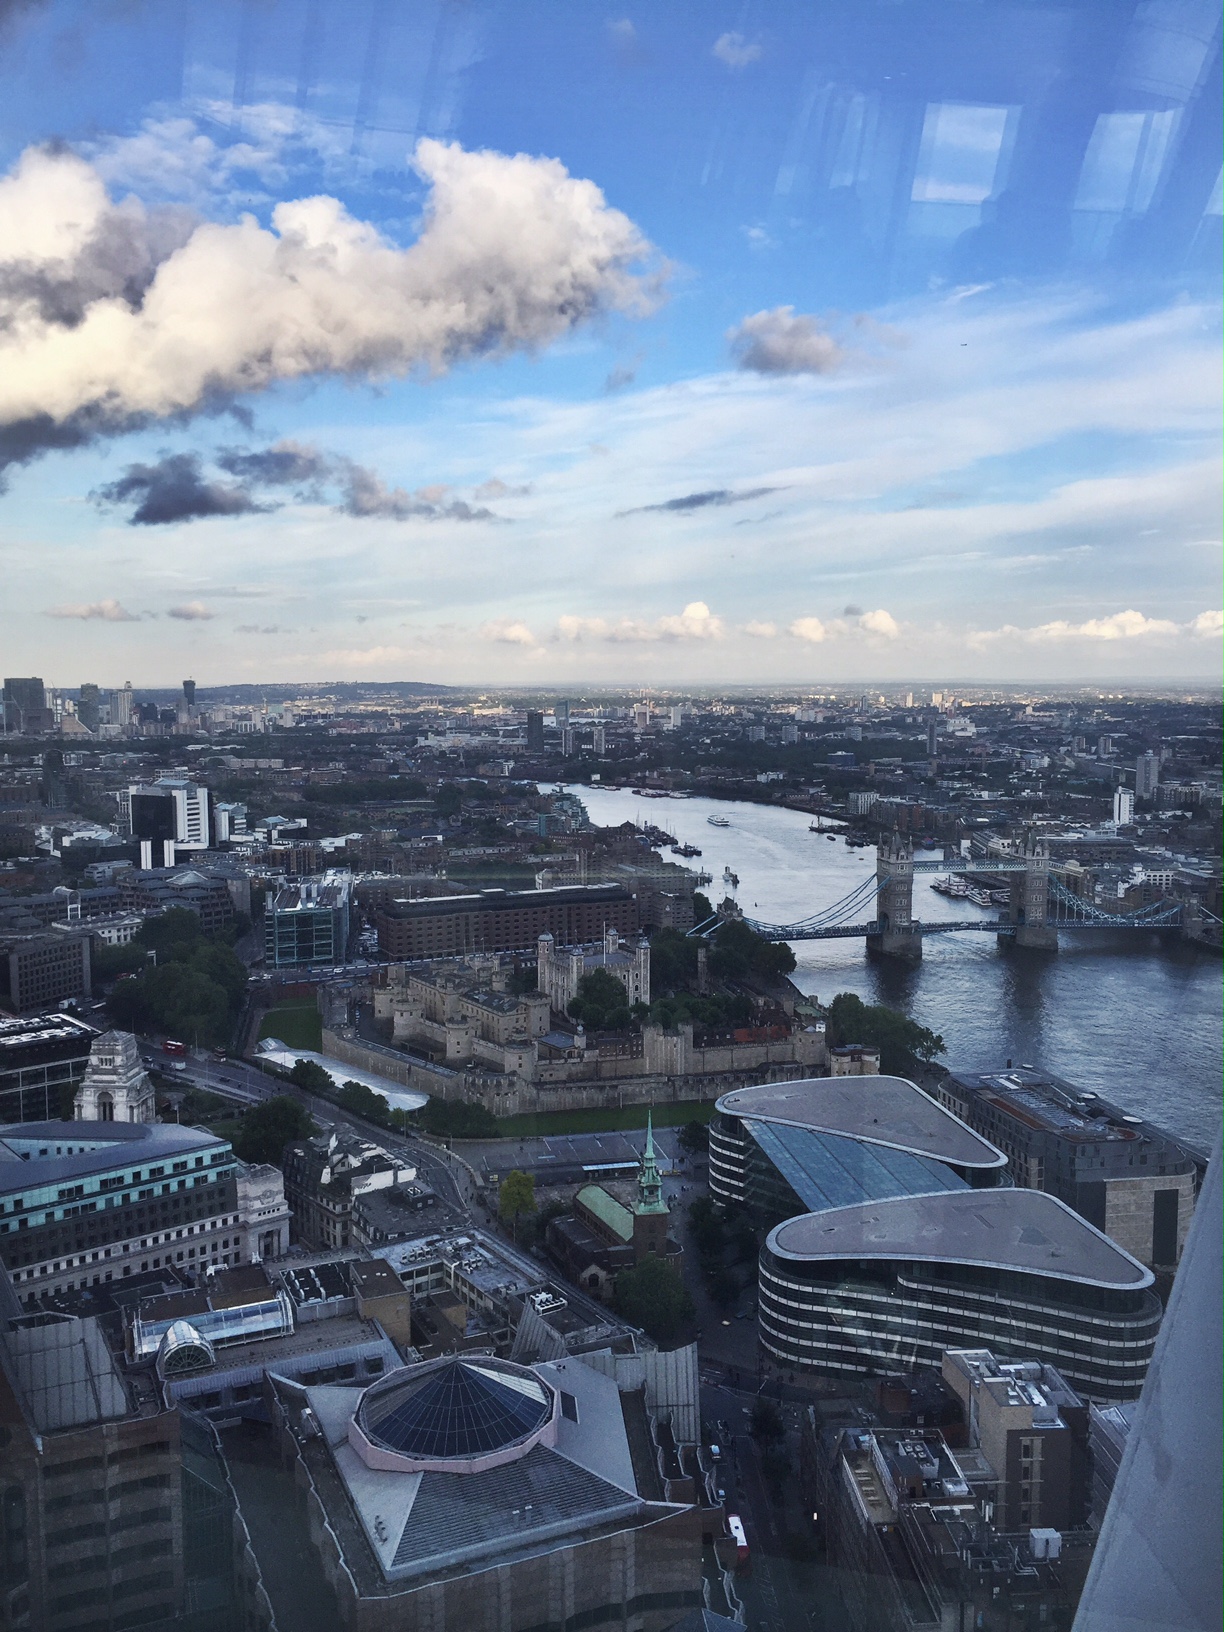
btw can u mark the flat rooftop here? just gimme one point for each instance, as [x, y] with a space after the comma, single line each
[1021, 1230]
[889, 1111]
[36, 1153]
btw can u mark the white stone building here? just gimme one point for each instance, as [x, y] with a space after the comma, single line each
[116, 1086]
[561, 968]
[263, 1212]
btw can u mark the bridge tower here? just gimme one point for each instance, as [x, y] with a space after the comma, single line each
[1030, 897]
[899, 936]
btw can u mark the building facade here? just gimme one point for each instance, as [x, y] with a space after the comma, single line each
[504, 920]
[39, 971]
[308, 923]
[1123, 1175]
[41, 1062]
[86, 1203]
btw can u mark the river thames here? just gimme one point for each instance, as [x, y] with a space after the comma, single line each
[1132, 1014]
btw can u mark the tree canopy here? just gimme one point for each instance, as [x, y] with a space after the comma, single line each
[363, 1101]
[654, 1297]
[309, 1074]
[902, 1042]
[194, 991]
[265, 1130]
[516, 1195]
[738, 950]
[458, 1119]
[602, 1004]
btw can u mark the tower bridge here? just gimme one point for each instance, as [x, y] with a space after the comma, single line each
[880, 910]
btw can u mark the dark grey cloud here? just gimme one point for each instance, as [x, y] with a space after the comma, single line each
[852, 611]
[285, 464]
[175, 489]
[699, 501]
[365, 494]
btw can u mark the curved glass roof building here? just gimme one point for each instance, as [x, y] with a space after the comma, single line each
[894, 1233]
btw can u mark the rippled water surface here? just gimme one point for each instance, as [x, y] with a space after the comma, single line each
[1129, 1013]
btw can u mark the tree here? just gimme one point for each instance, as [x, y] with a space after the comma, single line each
[175, 928]
[766, 1421]
[694, 1137]
[267, 1128]
[654, 1297]
[602, 1004]
[311, 1076]
[902, 1042]
[701, 907]
[516, 1195]
[362, 1101]
[458, 1119]
[738, 951]
[722, 1286]
[776, 1467]
[673, 960]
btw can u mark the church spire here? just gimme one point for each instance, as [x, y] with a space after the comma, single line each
[649, 1181]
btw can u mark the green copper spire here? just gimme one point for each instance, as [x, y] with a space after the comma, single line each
[649, 1182]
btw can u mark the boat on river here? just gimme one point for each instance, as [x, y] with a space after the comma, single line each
[718, 821]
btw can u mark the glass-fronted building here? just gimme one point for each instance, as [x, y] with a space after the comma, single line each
[894, 1233]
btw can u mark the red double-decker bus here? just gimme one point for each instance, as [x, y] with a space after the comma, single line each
[171, 1047]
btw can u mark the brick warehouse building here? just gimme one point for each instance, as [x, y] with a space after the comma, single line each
[504, 920]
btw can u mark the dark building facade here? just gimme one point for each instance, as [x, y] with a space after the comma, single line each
[41, 1062]
[504, 920]
[37, 971]
[1119, 1172]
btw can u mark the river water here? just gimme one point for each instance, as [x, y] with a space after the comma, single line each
[1128, 1013]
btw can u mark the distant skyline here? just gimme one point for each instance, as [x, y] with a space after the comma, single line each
[682, 345]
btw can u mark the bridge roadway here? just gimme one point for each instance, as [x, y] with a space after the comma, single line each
[844, 932]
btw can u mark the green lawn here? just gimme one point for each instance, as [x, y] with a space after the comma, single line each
[611, 1119]
[300, 1025]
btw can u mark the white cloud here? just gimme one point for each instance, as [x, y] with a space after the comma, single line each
[879, 623]
[1208, 625]
[780, 342]
[105, 611]
[810, 629]
[508, 633]
[696, 622]
[761, 631]
[735, 50]
[110, 314]
[191, 612]
[1128, 625]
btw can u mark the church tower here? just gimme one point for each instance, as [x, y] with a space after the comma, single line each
[115, 1087]
[651, 1214]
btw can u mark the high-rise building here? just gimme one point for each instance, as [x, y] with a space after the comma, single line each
[169, 809]
[561, 712]
[123, 707]
[535, 731]
[1123, 807]
[599, 742]
[932, 737]
[567, 740]
[189, 691]
[1147, 775]
[25, 706]
[89, 706]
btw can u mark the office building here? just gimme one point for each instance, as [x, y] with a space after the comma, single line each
[1123, 807]
[911, 1530]
[470, 1491]
[171, 810]
[560, 968]
[86, 1203]
[25, 707]
[504, 920]
[41, 1062]
[1123, 1175]
[327, 1175]
[93, 1488]
[783, 1149]
[898, 1240]
[123, 707]
[535, 731]
[39, 971]
[89, 706]
[882, 1284]
[599, 742]
[308, 923]
[229, 822]
[116, 1087]
[1032, 1428]
[1147, 775]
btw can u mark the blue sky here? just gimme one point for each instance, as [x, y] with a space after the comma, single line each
[545, 343]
